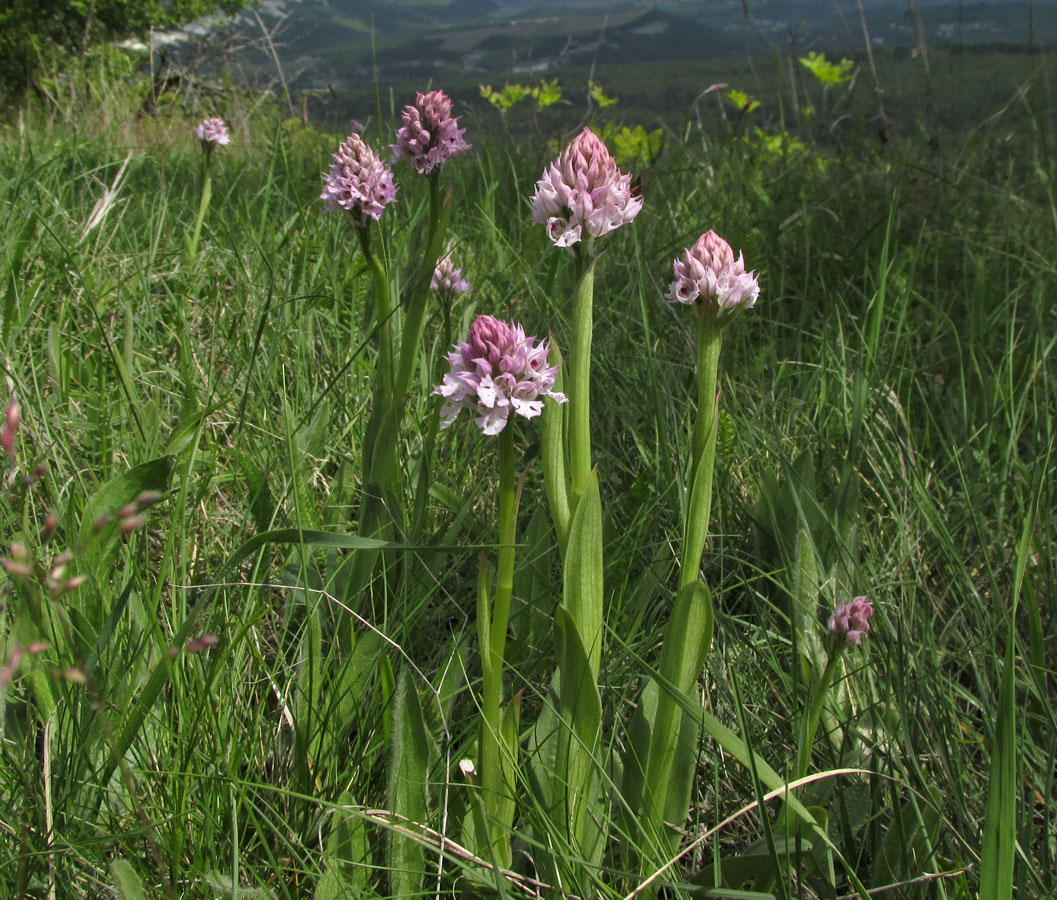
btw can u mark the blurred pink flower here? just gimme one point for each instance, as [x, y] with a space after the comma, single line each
[447, 279]
[430, 136]
[708, 271]
[583, 194]
[497, 370]
[213, 131]
[12, 422]
[850, 622]
[358, 181]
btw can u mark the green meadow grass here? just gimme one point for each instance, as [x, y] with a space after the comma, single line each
[892, 395]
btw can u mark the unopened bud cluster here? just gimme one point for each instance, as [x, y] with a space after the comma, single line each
[850, 622]
[709, 274]
[583, 195]
[447, 278]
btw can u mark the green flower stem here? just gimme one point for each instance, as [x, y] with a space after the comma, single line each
[814, 714]
[203, 206]
[688, 636]
[703, 460]
[425, 471]
[411, 335]
[495, 628]
[579, 379]
[384, 365]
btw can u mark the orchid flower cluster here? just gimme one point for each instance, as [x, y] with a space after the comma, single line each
[850, 622]
[498, 370]
[212, 131]
[447, 280]
[709, 274]
[583, 194]
[430, 135]
[358, 181]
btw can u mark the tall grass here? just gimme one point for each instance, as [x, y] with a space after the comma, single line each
[890, 402]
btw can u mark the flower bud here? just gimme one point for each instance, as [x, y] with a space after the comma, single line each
[850, 622]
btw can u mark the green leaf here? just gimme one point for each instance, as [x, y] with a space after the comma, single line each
[225, 888]
[582, 588]
[347, 858]
[830, 74]
[576, 752]
[666, 788]
[506, 804]
[127, 883]
[408, 783]
[998, 854]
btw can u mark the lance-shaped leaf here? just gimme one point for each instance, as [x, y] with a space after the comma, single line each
[580, 714]
[408, 773]
[582, 587]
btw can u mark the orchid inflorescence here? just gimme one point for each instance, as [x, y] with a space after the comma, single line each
[583, 194]
[709, 274]
[430, 135]
[496, 371]
[213, 131]
[358, 181]
[447, 278]
[850, 622]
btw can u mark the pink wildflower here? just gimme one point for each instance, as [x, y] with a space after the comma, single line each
[213, 131]
[358, 181]
[447, 279]
[709, 272]
[850, 622]
[497, 370]
[430, 135]
[12, 422]
[583, 194]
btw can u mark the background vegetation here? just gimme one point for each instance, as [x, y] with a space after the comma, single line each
[893, 392]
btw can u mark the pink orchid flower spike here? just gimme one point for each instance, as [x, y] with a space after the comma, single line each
[583, 195]
[498, 370]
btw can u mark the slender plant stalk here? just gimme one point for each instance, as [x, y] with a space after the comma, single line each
[384, 365]
[703, 459]
[579, 378]
[203, 206]
[688, 636]
[494, 626]
[410, 338]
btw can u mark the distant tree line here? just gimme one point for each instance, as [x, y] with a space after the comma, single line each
[33, 30]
